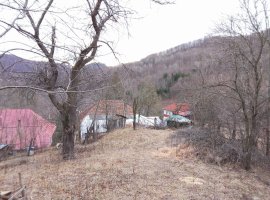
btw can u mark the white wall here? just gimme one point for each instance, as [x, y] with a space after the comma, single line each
[145, 121]
[100, 125]
[166, 112]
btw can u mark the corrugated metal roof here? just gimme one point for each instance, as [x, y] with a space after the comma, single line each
[18, 126]
[178, 108]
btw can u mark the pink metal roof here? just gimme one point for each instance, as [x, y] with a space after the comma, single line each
[19, 126]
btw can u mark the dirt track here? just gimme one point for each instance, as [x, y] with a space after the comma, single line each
[128, 164]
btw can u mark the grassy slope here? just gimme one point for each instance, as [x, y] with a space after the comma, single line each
[130, 165]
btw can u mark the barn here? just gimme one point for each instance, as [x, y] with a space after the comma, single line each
[19, 126]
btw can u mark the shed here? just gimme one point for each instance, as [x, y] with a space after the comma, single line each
[19, 126]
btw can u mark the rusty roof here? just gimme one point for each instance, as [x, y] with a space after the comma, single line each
[108, 107]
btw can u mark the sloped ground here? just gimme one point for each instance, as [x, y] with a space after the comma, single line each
[213, 148]
[128, 164]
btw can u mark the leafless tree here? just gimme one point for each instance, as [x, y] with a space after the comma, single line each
[265, 7]
[44, 20]
[143, 99]
[244, 46]
[70, 33]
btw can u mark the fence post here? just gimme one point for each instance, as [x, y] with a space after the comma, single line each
[20, 182]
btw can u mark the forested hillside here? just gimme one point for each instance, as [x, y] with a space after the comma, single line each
[164, 70]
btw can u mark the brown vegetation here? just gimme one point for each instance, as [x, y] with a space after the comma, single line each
[127, 164]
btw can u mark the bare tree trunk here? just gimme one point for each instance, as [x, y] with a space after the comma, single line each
[30, 146]
[268, 90]
[134, 109]
[107, 122]
[125, 114]
[234, 130]
[249, 143]
[268, 116]
[68, 135]
[69, 119]
[78, 133]
[267, 140]
[93, 127]
[94, 134]
[248, 147]
[246, 160]
[134, 121]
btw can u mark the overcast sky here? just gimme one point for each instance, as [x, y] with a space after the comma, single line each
[161, 27]
[155, 28]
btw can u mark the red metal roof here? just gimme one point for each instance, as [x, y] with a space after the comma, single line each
[178, 108]
[109, 107]
[19, 126]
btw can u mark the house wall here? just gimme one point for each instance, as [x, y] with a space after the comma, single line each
[100, 125]
[145, 121]
[166, 114]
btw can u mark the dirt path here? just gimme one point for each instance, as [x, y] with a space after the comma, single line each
[131, 165]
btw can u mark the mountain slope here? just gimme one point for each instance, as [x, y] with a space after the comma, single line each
[165, 70]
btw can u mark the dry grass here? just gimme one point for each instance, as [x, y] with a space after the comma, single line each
[128, 164]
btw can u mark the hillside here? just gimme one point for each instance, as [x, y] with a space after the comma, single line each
[127, 164]
[16, 71]
[170, 71]
[185, 57]
[184, 61]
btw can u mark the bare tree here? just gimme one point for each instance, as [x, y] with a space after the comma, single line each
[244, 46]
[143, 98]
[265, 7]
[37, 27]
[70, 33]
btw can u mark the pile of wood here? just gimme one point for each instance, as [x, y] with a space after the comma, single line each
[19, 194]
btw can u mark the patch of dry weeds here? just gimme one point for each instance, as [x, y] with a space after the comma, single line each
[127, 164]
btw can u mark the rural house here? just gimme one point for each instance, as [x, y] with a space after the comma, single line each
[18, 127]
[182, 109]
[104, 116]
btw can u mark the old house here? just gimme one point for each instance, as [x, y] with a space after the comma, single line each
[182, 109]
[104, 116]
[18, 127]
